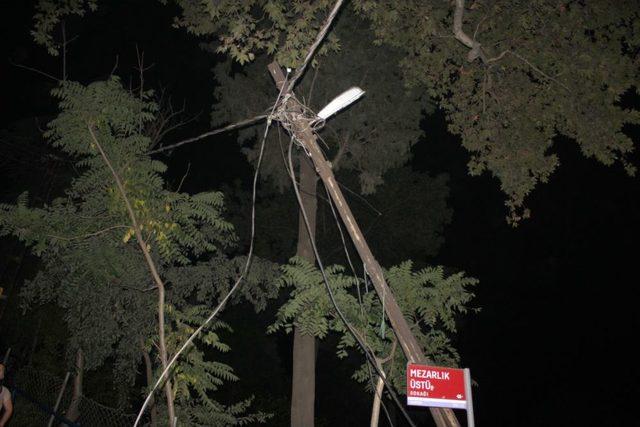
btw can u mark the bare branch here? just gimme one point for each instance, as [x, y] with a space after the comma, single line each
[184, 177]
[150, 288]
[476, 49]
[313, 83]
[167, 120]
[140, 58]
[115, 66]
[475, 33]
[64, 51]
[342, 149]
[35, 70]
[523, 59]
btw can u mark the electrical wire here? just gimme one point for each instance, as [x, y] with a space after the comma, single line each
[367, 352]
[238, 281]
[236, 125]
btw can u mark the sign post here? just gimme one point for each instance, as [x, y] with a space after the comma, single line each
[467, 389]
[440, 387]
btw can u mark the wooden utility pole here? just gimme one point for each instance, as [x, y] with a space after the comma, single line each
[303, 133]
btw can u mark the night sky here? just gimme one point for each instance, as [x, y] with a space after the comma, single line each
[553, 342]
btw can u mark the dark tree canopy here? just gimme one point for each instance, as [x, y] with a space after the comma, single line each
[515, 75]
[510, 75]
[551, 68]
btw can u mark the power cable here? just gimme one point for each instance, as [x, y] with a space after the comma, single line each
[236, 125]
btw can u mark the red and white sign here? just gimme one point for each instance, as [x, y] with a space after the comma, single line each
[436, 386]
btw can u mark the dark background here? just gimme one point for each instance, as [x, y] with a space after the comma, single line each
[553, 344]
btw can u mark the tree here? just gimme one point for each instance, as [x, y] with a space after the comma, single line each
[106, 243]
[369, 139]
[406, 216]
[430, 298]
[509, 75]
[529, 71]
[398, 223]
[523, 161]
[387, 143]
[518, 74]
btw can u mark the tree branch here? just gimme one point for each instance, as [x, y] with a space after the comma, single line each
[64, 51]
[313, 83]
[184, 177]
[115, 65]
[342, 148]
[35, 70]
[167, 119]
[476, 48]
[152, 268]
[523, 59]
[377, 398]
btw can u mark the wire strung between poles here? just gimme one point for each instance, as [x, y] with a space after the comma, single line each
[236, 125]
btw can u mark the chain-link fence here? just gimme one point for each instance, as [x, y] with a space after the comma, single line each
[38, 393]
[35, 396]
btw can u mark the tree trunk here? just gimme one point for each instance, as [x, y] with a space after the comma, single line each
[304, 346]
[148, 369]
[73, 411]
[162, 346]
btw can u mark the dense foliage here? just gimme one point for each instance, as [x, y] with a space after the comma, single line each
[93, 268]
[552, 68]
[429, 299]
[547, 69]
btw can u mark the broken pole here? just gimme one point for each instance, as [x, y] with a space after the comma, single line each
[303, 133]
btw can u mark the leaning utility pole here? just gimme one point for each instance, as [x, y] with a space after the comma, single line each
[301, 129]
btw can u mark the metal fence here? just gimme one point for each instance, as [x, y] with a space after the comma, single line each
[41, 399]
